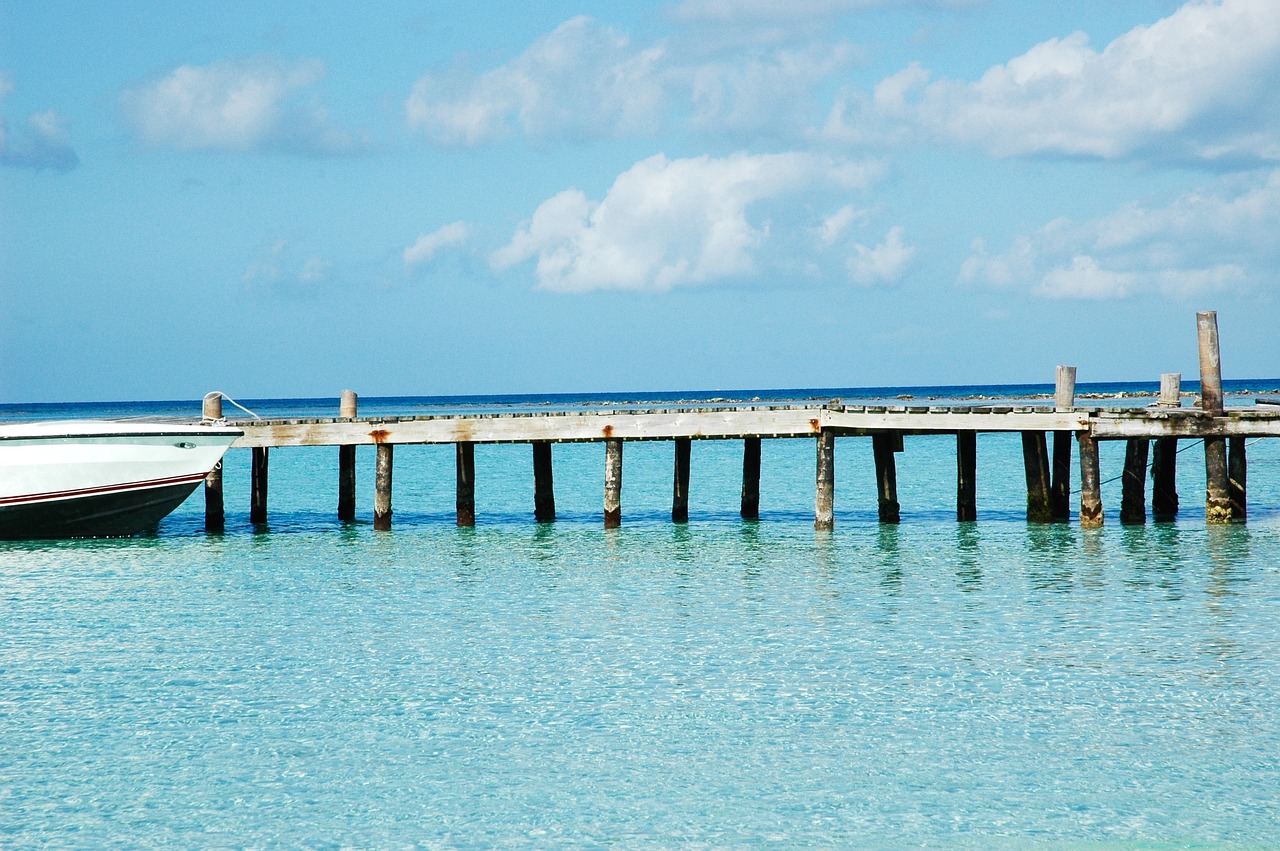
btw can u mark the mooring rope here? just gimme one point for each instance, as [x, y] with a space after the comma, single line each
[232, 401]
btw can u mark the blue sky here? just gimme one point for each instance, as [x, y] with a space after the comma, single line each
[432, 198]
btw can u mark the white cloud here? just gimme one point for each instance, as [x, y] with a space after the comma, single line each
[835, 226]
[667, 223]
[1198, 84]
[242, 105]
[788, 10]
[582, 78]
[1204, 241]
[275, 267]
[42, 143]
[425, 248]
[883, 264]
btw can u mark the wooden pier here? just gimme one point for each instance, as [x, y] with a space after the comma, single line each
[1048, 477]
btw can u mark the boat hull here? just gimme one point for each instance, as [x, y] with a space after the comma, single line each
[97, 479]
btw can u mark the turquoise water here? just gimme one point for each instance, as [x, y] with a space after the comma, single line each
[714, 684]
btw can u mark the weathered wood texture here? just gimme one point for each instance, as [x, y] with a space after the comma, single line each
[347, 409]
[382, 476]
[544, 494]
[1164, 480]
[1133, 494]
[258, 485]
[612, 483]
[1064, 388]
[966, 476]
[1060, 484]
[1035, 458]
[1237, 477]
[1217, 501]
[824, 499]
[750, 478]
[215, 516]
[465, 467]
[883, 447]
[680, 482]
[1090, 482]
[1171, 390]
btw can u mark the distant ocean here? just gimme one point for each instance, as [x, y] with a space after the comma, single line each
[709, 684]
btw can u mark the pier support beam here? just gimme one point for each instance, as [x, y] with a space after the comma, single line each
[1164, 479]
[750, 478]
[680, 482]
[883, 446]
[465, 464]
[258, 486]
[824, 501]
[1090, 482]
[1237, 477]
[1035, 458]
[612, 483]
[347, 464]
[1217, 500]
[1133, 496]
[215, 517]
[1064, 398]
[544, 494]
[966, 476]
[382, 487]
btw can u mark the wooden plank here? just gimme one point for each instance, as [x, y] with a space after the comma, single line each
[1193, 426]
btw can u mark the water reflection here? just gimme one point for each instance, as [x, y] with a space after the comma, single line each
[887, 541]
[1053, 549]
[968, 557]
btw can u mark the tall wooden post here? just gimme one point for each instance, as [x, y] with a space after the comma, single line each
[347, 463]
[750, 478]
[1035, 458]
[1133, 497]
[883, 446]
[966, 476]
[465, 465]
[612, 483]
[1064, 398]
[1170, 390]
[1237, 477]
[258, 486]
[544, 494]
[824, 501]
[1217, 502]
[1164, 456]
[680, 482]
[215, 517]
[382, 486]
[1090, 482]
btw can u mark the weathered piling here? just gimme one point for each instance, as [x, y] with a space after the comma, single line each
[1133, 497]
[1217, 503]
[465, 467]
[883, 447]
[680, 482]
[1164, 456]
[215, 517]
[824, 499]
[347, 409]
[750, 478]
[1170, 390]
[258, 469]
[1090, 482]
[1035, 458]
[544, 494]
[382, 470]
[1064, 398]
[612, 483]
[1237, 477]
[966, 476]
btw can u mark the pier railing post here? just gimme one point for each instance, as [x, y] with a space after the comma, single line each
[966, 476]
[347, 463]
[1217, 503]
[680, 482]
[1035, 458]
[612, 483]
[883, 446]
[215, 517]
[544, 494]
[382, 470]
[1090, 482]
[465, 466]
[1064, 398]
[824, 501]
[750, 478]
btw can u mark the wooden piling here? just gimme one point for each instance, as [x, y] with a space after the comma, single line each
[750, 478]
[1164, 479]
[382, 487]
[215, 517]
[1133, 498]
[465, 465]
[258, 486]
[1064, 398]
[824, 501]
[612, 483]
[544, 495]
[1090, 482]
[680, 482]
[1035, 458]
[883, 446]
[1217, 501]
[1170, 390]
[1237, 478]
[347, 409]
[966, 476]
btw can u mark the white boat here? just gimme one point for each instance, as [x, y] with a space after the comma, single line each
[101, 478]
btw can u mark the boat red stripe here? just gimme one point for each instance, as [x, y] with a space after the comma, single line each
[102, 489]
